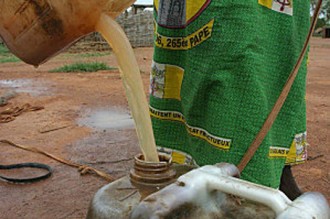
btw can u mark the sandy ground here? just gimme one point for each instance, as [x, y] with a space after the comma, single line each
[77, 100]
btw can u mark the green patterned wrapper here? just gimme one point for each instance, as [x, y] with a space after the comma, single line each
[219, 67]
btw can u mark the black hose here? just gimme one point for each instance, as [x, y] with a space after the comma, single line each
[26, 165]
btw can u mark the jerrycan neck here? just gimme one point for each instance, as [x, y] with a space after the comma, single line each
[153, 174]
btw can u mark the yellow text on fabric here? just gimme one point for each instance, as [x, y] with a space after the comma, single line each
[185, 43]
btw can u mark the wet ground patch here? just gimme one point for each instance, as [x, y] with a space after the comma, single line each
[30, 86]
[107, 118]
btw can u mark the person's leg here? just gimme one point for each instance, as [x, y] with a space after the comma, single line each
[288, 184]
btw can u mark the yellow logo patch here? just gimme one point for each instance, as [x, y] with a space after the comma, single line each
[179, 13]
[297, 153]
[282, 6]
[165, 81]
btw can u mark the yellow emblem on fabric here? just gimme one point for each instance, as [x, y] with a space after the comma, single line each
[298, 150]
[178, 157]
[184, 10]
[185, 43]
[165, 81]
[282, 6]
[296, 154]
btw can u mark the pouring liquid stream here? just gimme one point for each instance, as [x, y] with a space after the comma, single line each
[132, 81]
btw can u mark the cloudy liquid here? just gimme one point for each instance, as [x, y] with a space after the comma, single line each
[132, 81]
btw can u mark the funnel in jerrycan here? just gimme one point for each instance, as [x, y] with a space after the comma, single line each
[36, 30]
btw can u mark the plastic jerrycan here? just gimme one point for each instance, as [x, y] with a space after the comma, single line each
[36, 30]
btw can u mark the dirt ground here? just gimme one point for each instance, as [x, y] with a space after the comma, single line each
[76, 101]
